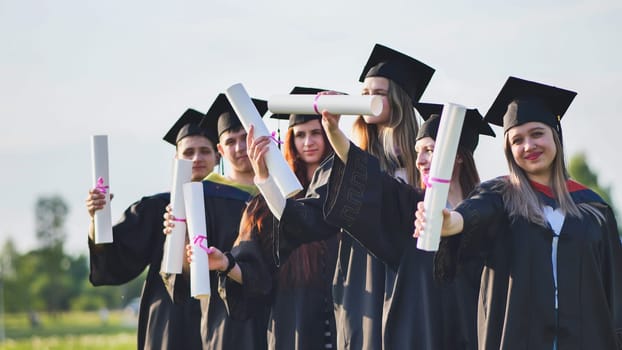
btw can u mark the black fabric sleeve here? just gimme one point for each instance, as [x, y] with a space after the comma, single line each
[482, 215]
[612, 271]
[371, 206]
[134, 237]
[244, 300]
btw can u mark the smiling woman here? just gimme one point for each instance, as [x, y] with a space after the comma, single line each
[538, 217]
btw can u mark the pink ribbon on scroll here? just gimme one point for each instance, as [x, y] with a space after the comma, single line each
[198, 241]
[100, 185]
[315, 104]
[429, 180]
[273, 137]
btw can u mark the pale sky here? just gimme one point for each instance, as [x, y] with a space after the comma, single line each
[71, 69]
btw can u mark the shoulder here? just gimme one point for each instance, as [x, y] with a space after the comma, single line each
[221, 190]
[497, 184]
[162, 197]
[582, 194]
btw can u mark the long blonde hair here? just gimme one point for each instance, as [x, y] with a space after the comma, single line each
[394, 146]
[520, 198]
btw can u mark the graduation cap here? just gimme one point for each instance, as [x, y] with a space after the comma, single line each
[222, 117]
[413, 76]
[473, 126]
[521, 101]
[295, 119]
[189, 125]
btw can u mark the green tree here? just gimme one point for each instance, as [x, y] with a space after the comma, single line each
[53, 283]
[50, 215]
[580, 170]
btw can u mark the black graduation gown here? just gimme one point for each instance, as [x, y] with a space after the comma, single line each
[297, 313]
[378, 211]
[517, 297]
[138, 242]
[224, 205]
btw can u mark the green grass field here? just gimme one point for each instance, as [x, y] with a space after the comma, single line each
[75, 330]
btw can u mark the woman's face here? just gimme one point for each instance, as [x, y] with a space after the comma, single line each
[200, 151]
[378, 86]
[425, 149]
[533, 149]
[309, 141]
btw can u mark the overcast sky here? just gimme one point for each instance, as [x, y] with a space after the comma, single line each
[71, 69]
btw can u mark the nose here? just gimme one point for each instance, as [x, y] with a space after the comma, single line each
[529, 144]
[308, 140]
[240, 146]
[422, 158]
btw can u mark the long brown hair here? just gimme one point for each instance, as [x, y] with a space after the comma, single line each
[301, 268]
[469, 177]
[294, 161]
[394, 146]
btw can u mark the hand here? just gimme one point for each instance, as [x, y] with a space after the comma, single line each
[215, 258]
[169, 220]
[330, 122]
[95, 201]
[446, 229]
[257, 149]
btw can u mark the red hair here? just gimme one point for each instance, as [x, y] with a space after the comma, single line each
[302, 267]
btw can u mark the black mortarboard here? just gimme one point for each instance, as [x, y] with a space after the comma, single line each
[295, 119]
[522, 101]
[222, 117]
[474, 125]
[189, 125]
[413, 76]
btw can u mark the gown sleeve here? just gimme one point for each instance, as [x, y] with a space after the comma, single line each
[243, 301]
[373, 207]
[480, 212]
[612, 272]
[134, 237]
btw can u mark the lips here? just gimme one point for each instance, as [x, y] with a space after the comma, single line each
[533, 156]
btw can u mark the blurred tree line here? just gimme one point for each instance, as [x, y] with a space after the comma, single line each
[48, 279]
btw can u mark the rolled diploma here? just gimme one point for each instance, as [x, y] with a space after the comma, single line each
[442, 166]
[174, 250]
[335, 104]
[197, 226]
[283, 175]
[103, 218]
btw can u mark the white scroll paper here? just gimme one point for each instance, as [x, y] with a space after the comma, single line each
[174, 246]
[197, 227]
[243, 106]
[336, 104]
[445, 148]
[101, 180]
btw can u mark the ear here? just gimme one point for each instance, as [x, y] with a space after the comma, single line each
[458, 159]
[220, 149]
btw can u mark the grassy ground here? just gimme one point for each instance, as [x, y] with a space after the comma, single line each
[75, 330]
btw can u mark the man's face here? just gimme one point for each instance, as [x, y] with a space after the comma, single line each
[232, 147]
[200, 151]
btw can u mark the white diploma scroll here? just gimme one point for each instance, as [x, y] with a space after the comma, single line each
[197, 227]
[445, 148]
[336, 104]
[101, 181]
[243, 106]
[174, 246]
